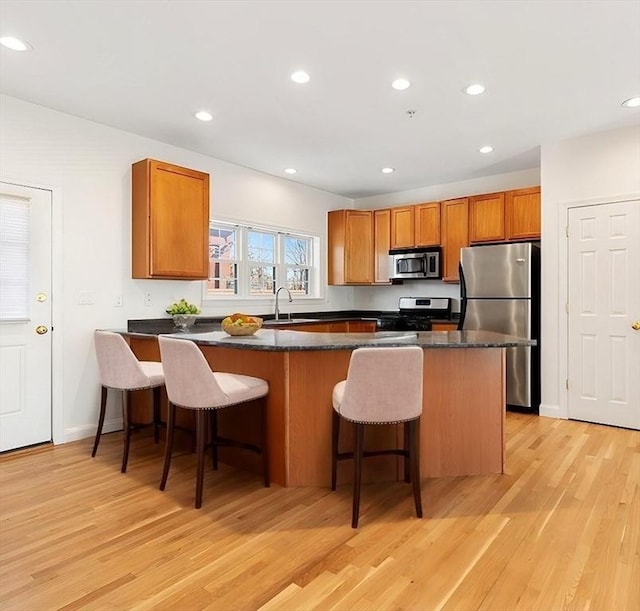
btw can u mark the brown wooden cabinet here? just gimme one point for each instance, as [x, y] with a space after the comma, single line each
[487, 218]
[427, 224]
[455, 235]
[522, 212]
[170, 221]
[381, 245]
[402, 227]
[350, 240]
[444, 326]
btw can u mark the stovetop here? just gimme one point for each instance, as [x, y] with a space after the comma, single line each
[415, 314]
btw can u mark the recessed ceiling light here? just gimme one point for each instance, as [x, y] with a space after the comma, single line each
[300, 77]
[486, 149]
[290, 171]
[475, 89]
[401, 83]
[15, 44]
[632, 102]
[203, 115]
[388, 170]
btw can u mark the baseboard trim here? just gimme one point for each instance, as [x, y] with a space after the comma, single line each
[89, 430]
[550, 410]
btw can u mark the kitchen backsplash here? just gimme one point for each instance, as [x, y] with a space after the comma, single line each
[386, 297]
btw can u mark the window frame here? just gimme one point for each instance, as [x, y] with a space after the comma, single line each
[316, 286]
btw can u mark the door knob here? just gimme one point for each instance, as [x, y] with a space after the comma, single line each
[636, 326]
[41, 329]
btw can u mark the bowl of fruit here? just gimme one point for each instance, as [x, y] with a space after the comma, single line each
[241, 324]
[183, 314]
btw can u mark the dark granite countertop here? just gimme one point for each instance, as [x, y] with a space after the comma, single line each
[272, 340]
[206, 324]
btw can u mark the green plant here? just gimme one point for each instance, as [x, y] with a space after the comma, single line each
[182, 307]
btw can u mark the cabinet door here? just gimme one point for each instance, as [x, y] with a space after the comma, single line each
[455, 235]
[350, 243]
[359, 247]
[402, 227]
[361, 326]
[523, 214]
[444, 326]
[381, 244]
[486, 218]
[427, 224]
[170, 221]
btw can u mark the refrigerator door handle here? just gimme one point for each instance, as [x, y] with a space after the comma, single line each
[463, 297]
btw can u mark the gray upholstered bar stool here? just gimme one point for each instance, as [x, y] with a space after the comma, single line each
[383, 386]
[192, 385]
[120, 369]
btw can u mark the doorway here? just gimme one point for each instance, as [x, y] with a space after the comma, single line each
[603, 323]
[25, 316]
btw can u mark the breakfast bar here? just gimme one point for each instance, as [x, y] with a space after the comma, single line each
[462, 425]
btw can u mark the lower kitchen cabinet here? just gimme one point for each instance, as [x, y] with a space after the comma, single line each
[444, 326]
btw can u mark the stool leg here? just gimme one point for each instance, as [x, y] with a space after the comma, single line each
[156, 414]
[168, 448]
[335, 436]
[127, 429]
[264, 450]
[200, 435]
[407, 449]
[214, 438]
[103, 409]
[357, 475]
[414, 427]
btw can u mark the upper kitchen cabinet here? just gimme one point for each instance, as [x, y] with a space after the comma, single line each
[402, 227]
[170, 222]
[487, 218]
[522, 211]
[381, 245]
[350, 237]
[455, 235]
[427, 224]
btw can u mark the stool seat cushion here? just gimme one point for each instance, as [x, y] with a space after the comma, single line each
[193, 385]
[383, 385]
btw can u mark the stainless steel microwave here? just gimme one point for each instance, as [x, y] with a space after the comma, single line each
[415, 263]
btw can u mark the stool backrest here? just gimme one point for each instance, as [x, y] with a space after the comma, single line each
[188, 376]
[118, 366]
[383, 385]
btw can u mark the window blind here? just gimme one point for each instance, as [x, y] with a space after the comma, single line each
[14, 258]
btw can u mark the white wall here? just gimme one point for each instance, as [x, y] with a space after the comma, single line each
[89, 167]
[386, 298]
[596, 168]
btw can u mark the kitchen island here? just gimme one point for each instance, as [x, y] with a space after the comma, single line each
[462, 426]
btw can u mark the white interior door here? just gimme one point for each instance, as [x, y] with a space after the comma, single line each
[25, 316]
[604, 307]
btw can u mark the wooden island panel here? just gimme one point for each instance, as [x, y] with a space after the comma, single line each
[461, 432]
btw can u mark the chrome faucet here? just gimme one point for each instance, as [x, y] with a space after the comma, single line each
[277, 312]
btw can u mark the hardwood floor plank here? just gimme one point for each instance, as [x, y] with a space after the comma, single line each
[559, 530]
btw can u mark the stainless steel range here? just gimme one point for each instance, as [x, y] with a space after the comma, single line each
[415, 314]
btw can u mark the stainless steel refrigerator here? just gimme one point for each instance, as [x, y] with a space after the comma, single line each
[500, 291]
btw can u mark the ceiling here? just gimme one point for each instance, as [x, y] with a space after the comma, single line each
[552, 70]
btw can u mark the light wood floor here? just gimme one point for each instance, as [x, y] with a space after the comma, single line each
[560, 530]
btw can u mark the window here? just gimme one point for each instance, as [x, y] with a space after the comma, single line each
[252, 262]
[14, 259]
